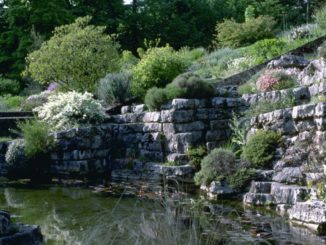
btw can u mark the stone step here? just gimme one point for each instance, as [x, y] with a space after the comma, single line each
[289, 194]
[258, 199]
[260, 187]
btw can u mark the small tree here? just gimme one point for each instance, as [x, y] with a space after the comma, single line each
[76, 57]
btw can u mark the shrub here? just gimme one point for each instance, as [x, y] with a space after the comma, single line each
[128, 60]
[268, 106]
[37, 137]
[9, 86]
[15, 155]
[234, 35]
[218, 164]
[260, 148]
[191, 55]
[35, 100]
[10, 103]
[215, 64]
[155, 98]
[76, 57]
[115, 88]
[72, 109]
[320, 17]
[196, 154]
[158, 67]
[189, 86]
[301, 32]
[186, 86]
[241, 178]
[322, 51]
[239, 64]
[275, 79]
[266, 49]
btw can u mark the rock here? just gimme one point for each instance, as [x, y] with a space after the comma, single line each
[290, 175]
[4, 222]
[260, 187]
[311, 214]
[217, 189]
[303, 111]
[288, 61]
[315, 72]
[183, 173]
[125, 109]
[286, 194]
[139, 108]
[258, 199]
[282, 209]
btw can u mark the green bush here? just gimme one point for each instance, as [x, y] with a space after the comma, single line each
[241, 178]
[196, 154]
[9, 86]
[320, 17]
[266, 49]
[187, 86]
[114, 88]
[191, 55]
[268, 106]
[217, 165]
[158, 67]
[11, 103]
[37, 137]
[234, 35]
[155, 98]
[260, 148]
[76, 56]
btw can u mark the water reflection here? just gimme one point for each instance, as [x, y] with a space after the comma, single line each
[76, 216]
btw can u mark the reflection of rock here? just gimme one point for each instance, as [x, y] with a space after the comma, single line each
[12, 234]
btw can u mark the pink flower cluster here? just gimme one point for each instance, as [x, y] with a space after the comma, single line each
[272, 77]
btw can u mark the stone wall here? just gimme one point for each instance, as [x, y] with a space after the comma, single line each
[159, 136]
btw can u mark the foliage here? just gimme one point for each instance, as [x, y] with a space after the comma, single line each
[196, 154]
[186, 86]
[114, 88]
[158, 67]
[215, 64]
[9, 86]
[37, 137]
[5, 139]
[10, 103]
[275, 79]
[171, 163]
[260, 148]
[218, 164]
[239, 64]
[234, 35]
[155, 98]
[15, 155]
[191, 55]
[71, 109]
[322, 51]
[268, 106]
[301, 32]
[35, 100]
[128, 60]
[62, 58]
[250, 13]
[241, 178]
[266, 49]
[238, 138]
[320, 16]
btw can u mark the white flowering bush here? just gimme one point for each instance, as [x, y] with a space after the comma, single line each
[240, 64]
[35, 100]
[72, 109]
[303, 31]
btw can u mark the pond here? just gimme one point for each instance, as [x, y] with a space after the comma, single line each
[75, 215]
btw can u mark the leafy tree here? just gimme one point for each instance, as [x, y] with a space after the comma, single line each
[76, 56]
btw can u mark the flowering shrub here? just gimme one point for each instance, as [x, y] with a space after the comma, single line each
[275, 79]
[303, 31]
[35, 100]
[240, 64]
[72, 109]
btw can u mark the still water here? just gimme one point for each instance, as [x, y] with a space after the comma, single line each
[73, 216]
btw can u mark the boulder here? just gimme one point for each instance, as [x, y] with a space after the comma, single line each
[290, 175]
[315, 72]
[258, 199]
[217, 189]
[311, 214]
[286, 194]
[288, 61]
